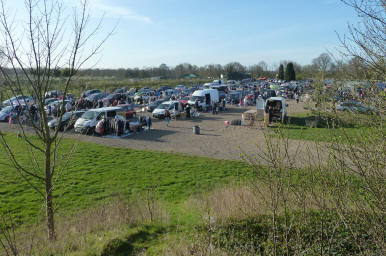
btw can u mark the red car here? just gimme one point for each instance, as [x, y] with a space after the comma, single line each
[130, 111]
[184, 100]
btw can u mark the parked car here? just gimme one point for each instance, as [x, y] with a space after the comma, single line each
[234, 97]
[353, 106]
[95, 96]
[129, 110]
[121, 90]
[19, 99]
[68, 120]
[153, 105]
[49, 100]
[184, 100]
[48, 108]
[87, 122]
[4, 113]
[180, 87]
[163, 88]
[89, 92]
[52, 94]
[174, 107]
[114, 96]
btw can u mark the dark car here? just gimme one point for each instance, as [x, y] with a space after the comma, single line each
[234, 97]
[52, 94]
[163, 88]
[153, 105]
[95, 96]
[68, 120]
[89, 92]
[121, 90]
[115, 96]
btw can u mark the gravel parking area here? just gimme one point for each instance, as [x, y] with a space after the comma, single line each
[216, 139]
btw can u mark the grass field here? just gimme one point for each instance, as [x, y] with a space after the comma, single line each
[186, 186]
[97, 173]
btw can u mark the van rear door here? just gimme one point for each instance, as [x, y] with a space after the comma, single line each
[260, 106]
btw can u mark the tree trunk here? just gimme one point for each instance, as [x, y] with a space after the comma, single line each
[49, 206]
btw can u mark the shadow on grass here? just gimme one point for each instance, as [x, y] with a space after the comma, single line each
[324, 122]
[134, 243]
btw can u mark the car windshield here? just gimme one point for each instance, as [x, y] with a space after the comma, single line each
[155, 103]
[163, 106]
[68, 115]
[90, 115]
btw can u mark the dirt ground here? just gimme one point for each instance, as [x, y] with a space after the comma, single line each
[217, 140]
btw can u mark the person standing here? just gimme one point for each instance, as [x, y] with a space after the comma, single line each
[297, 97]
[100, 127]
[223, 105]
[187, 110]
[148, 122]
[167, 117]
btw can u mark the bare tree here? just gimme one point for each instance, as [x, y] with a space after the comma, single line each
[367, 40]
[323, 63]
[48, 41]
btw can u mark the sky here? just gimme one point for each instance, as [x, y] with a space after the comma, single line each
[151, 32]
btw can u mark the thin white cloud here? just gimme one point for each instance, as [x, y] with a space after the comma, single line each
[111, 10]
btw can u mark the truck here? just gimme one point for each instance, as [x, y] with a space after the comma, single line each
[205, 98]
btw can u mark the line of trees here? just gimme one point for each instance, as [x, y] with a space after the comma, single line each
[325, 64]
[288, 70]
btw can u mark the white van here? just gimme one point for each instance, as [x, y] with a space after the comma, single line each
[87, 122]
[278, 108]
[174, 107]
[205, 98]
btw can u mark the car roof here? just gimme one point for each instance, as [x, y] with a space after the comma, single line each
[276, 98]
[105, 109]
[171, 102]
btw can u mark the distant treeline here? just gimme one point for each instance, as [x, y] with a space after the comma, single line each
[232, 70]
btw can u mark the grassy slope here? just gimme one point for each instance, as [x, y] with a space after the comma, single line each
[96, 173]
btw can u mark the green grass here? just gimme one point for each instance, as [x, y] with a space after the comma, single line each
[97, 173]
[297, 129]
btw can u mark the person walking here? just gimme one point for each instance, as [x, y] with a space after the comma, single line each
[297, 97]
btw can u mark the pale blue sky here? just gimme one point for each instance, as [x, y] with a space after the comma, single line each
[151, 32]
